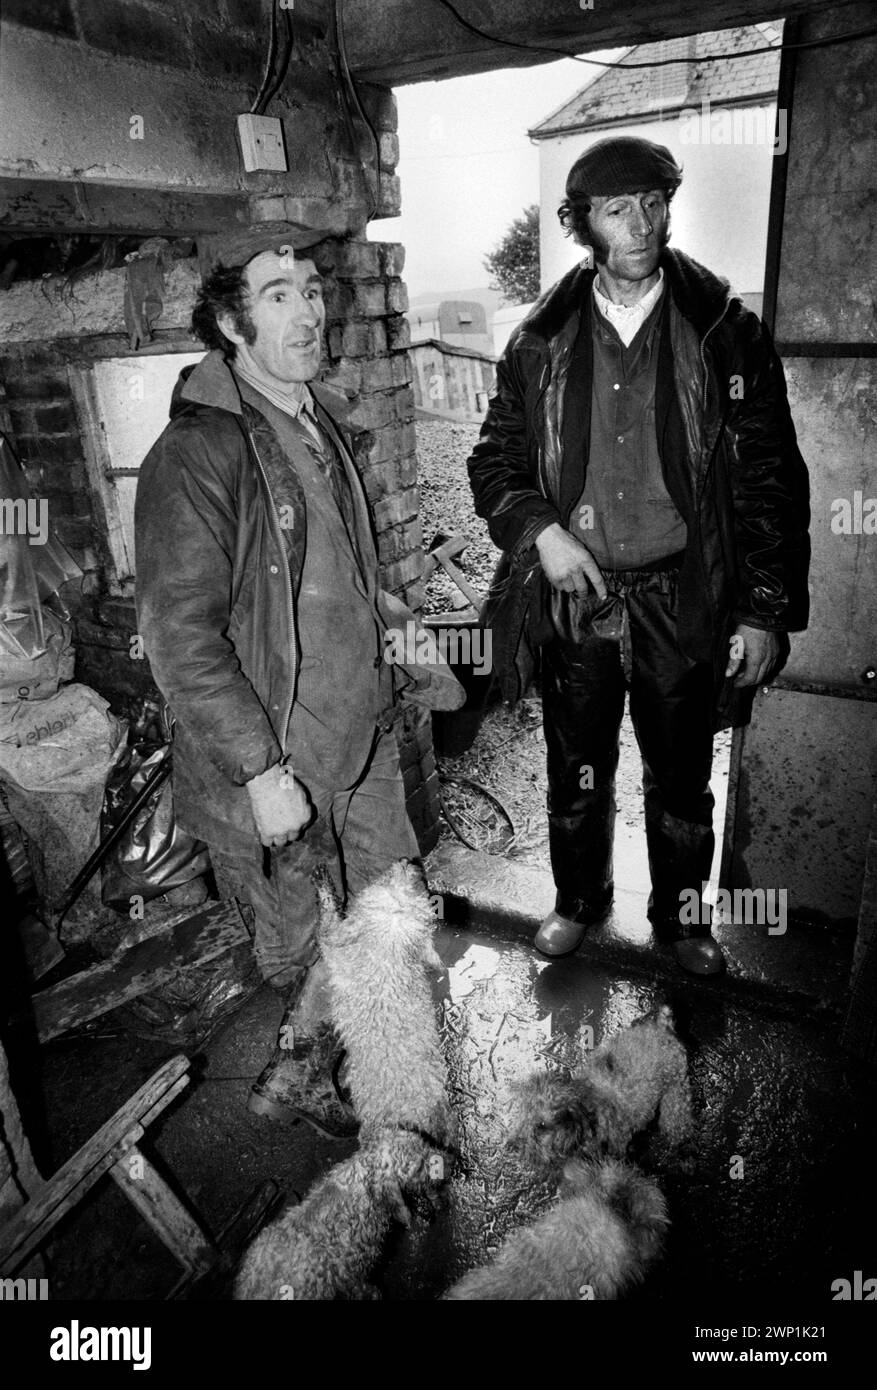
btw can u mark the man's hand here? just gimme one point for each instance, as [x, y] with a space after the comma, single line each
[754, 653]
[281, 805]
[568, 564]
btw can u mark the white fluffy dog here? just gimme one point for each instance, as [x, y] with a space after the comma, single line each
[377, 959]
[594, 1243]
[328, 1246]
[382, 1006]
[636, 1080]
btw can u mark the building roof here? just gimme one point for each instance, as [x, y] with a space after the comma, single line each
[616, 95]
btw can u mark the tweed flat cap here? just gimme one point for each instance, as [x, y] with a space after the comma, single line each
[626, 164]
[240, 244]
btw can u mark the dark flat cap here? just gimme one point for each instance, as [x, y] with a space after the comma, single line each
[625, 164]
[240, 244]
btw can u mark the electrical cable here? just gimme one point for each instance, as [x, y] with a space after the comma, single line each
[657, 62]
[350, 91]
[284, 62]
[256, 108]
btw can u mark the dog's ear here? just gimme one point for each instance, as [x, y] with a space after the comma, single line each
[327, 898]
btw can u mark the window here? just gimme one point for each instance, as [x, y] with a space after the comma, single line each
[123, 403]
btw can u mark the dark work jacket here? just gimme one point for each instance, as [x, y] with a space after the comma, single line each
[216, 594]
[729, 456]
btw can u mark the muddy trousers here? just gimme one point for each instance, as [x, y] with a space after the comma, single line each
[627, 641]
[358, 834]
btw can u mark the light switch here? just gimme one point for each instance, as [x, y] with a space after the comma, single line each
[261, 140]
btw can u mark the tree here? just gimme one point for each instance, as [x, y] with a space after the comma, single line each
[514, 261]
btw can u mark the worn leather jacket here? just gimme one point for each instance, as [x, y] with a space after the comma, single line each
[728, 451]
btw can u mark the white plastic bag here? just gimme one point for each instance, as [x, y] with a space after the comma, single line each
[67, 743]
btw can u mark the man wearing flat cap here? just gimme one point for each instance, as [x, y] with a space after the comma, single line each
[260, 608]
[639, 469]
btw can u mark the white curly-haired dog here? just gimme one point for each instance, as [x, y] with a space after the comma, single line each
[378, 957]
[595, 1243]
[633, 1081]
[328, 1246]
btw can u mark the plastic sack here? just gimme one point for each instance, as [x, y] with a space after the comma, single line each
[66, 743]
[38, 677]
[153, 854]
[32, 564]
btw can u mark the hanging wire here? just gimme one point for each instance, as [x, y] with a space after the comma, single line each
[657, 62]
[284, 63]
[258, 104]
[352, 96]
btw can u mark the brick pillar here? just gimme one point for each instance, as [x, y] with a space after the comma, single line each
[367, 340]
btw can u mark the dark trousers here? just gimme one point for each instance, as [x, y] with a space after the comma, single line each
[358, 833]
[628, 640]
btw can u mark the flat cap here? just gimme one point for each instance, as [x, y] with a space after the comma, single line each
[625, 164]
[240, 244]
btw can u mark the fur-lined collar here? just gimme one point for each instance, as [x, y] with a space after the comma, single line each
[699, 295]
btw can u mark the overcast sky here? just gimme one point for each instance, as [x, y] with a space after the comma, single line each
[468, 168]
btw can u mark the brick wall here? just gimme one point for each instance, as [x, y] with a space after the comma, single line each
[366, 357]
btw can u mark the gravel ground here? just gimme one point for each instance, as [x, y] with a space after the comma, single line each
[508, 756]
[446, 505]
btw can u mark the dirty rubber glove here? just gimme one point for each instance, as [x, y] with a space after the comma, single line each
[281, 805]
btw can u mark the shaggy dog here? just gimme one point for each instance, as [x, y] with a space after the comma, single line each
[377, 957]
[382, 1006]
[637, 1079]
[327, 1247]
[597, 1241]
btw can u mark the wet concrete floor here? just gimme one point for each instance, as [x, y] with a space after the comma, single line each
[773, 1195]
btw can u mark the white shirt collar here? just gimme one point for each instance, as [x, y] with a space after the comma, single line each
[627, 319]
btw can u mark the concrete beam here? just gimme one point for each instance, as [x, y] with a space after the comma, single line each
[56, 206]
[394, 42]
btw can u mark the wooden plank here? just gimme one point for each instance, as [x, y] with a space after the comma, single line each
[260, 1207]
[455, 546]
[51, 1199]
[200, 936]
[21, 1237]
[55, 206]
[171, 1221]
[441, 554]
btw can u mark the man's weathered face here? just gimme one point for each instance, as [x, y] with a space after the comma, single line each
[286, 311]
[629, 231]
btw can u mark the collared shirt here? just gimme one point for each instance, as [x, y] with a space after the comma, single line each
[628, 319]
[625, 515]
[300, 405]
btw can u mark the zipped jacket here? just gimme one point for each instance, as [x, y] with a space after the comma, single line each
[728, 451]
